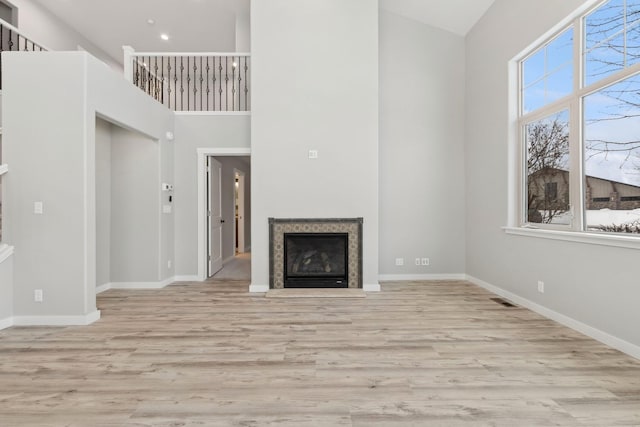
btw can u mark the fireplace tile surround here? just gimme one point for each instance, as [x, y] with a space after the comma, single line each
[278, 227]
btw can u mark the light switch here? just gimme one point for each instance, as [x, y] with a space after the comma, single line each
[38, 208]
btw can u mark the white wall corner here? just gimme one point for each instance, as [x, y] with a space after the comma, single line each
[373, 287]
[5, 252]
[598, 335]
[6, 323]
[258, 289]
[103, 288]
[82, 320]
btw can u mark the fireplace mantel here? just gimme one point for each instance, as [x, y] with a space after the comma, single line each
[278, 227]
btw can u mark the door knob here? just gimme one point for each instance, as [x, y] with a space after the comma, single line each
[222, 221]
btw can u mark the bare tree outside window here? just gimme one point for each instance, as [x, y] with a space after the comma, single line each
[547, 168]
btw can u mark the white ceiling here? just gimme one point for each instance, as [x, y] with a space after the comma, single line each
[193, 25]
[455, 16]
[209, 25]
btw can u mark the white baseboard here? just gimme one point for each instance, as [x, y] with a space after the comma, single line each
[258, 289]
[598, 335]
[374, 287]
[187, 279]
[6, 323]
[102, 288]
[142, 285]
[414, 277]
[87, 319]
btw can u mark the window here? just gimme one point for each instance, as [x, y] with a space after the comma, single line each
[579, 121]
[7, 12]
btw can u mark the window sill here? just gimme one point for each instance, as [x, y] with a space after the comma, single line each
[5, 252]
[619, 241]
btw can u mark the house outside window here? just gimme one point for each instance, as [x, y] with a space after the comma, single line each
[579, 123]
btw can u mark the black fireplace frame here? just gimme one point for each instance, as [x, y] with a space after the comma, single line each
[314, 225]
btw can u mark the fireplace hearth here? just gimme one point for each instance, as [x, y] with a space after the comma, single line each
[315, 253]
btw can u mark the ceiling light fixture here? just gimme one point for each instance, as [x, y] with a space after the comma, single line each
[164, 37]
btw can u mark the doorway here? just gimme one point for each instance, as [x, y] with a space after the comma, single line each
[217, 207]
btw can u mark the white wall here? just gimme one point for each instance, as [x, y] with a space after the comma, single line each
[52, 154]
[135, 207]
[193, 132]
[315, 86]
[243, 33]
[103, 202]
[41, 26]
[421, 148]
[44, 145]
[595, 285]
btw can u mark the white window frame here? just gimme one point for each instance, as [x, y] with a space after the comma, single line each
[518, 224]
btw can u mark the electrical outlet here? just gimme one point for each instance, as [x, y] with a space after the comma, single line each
[541, 286]
[425, 261]
[38, 295]
[417, 261]
[399, 261]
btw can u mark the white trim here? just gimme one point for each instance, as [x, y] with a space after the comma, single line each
[193, 278]
[373, 287]
[4, 169]
[414, 277]
[5, 252]
[134, 53]
[202, 154]
[213, 113]
[6, 323]
[103, 288]
[142, 285]
[81, 320]
[598, 335]
[240, 151]
[616, 240]
[258, 289]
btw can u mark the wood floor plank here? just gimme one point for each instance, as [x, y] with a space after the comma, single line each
[211, 354]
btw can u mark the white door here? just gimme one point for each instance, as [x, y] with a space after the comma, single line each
[214, 216]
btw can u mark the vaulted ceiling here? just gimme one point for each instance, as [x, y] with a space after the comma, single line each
[209, 25]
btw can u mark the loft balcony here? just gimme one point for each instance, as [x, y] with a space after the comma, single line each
[192, 81]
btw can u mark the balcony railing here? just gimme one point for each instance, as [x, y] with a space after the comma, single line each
[192, 81]
[11, 39]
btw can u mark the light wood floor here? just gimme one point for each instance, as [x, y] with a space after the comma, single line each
[419, 354]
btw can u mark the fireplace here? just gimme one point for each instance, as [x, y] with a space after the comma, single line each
[315, 253]
[316, 260]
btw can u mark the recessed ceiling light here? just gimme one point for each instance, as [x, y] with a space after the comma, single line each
[150, 21]
[164, 37]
